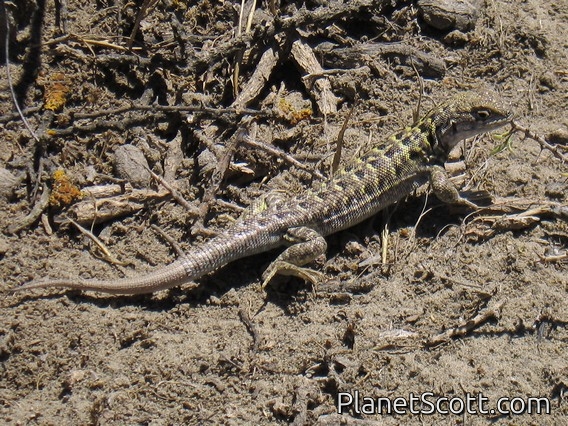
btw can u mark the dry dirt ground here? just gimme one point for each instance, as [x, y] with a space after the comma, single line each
[423, 298]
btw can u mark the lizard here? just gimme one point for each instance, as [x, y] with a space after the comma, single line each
[380, 177]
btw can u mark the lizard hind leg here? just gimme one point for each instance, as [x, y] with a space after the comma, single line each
[307, 245]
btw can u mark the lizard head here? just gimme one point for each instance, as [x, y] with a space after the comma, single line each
[465, 116]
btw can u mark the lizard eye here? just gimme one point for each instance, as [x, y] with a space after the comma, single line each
[482, 114]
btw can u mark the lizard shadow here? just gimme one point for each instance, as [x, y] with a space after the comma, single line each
[199, 293]
[215, 285]
[282, 291]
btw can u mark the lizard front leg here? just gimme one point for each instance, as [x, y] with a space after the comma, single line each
[307, 245]
[445, 190]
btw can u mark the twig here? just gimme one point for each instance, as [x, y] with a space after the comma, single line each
[516, 127]
[99, 126]
[279, 153]
[416, 112]
[321, 16]
[217, 177]
[61, 14]
[230, 206]
[174, 193]
[466, 327]
[170, 240]
[142, 13]
[512, 214]
[106, 254]
[9, 76]
[33, 215]
[308, 64]
[340, 135]
[12, 116]
[559, 258]
[240, 54]
[251, 327]
[347, 57]
[216, 112]
[99, 210]
[257, 81]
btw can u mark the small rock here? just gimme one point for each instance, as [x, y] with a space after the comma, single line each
[131, 165]
[4, 246]
[558, 137]
[448, 15]
[548, 81]
[8, 183]
[207, 161]
[556, 190]
[456, 38]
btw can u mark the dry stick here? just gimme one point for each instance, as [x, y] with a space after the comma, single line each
[102, 210]
[216, 112]
[251, 327]
[180, 253]
[61, 14]
[278, 153]
[554, 258]
[309, 79]
[239, 56]
[175, 194]
[12, 116]
[466, 327]
[100, 43]
[171, 108]
[258, 79]
[230, 206]
[142, 13]
[216, 179]
[345, 57]
[9, 76]
[385, 242]
[321, 92]
[543, 143]
[508, 205]
[107, 255]
[416, 112]
[340, 135]
[120, 125]
[137, 120]
[32, 216]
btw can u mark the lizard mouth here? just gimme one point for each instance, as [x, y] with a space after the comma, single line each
[456, 133]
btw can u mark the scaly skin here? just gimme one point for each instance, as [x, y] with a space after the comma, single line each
[368, 184]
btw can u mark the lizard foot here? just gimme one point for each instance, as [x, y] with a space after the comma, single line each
[281, 267]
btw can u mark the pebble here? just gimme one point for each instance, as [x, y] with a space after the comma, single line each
[131, 164]
[8, 183]
[449, 15]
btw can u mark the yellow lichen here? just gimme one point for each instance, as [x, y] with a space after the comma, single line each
[56, 89]
[63, 192]
[293, 115]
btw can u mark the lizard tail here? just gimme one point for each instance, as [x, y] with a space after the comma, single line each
[161, 279]
[201, 260]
